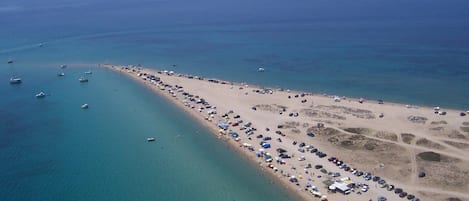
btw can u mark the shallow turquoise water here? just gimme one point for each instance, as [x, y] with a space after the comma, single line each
[53, 150]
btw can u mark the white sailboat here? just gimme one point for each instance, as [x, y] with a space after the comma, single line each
[41, 95]
[15, 80]
[83, 79]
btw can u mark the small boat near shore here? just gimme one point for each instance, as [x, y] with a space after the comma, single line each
[15, 80]
[150, 139]
[83, 79]
[84, 106]
[63, 66]
[41, 95]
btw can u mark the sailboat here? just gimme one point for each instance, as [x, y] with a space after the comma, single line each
[41, 95]
[83, 79]
[15, 80]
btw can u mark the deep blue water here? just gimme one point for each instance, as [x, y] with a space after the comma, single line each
[412, 52]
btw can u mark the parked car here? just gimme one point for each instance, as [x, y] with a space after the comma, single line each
[390, 187]
[402, 194]
[267, 138]
[398, 190]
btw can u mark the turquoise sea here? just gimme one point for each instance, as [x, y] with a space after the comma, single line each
[50, 149]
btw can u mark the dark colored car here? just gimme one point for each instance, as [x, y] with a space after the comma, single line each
[267, 138]
[280, 150]
[398, 190]
[284, 156]
[403, 194]
[410, 197]
[376, 178]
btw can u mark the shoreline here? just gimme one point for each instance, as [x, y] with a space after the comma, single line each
[275, 177]
[234, 146]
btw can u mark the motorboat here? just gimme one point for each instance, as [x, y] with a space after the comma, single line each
[63, 66]
[83, 79]
[15, 80]
[84, 106]
[88, 72]
[41, 95]
[150, 139]
[260, 69]
[10, 61]
[61, 74]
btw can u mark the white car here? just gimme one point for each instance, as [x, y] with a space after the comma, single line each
[365, 189]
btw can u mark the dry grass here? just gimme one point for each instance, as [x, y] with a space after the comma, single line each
[407, 137]
[443, 171]
[424, 142]
[360, 131]
[439, 128]
[464, 128]
[271, 108]
[359, 113]
[456, 135]
[438, 122]
[386, 135]
[321, 114]
[459, 145]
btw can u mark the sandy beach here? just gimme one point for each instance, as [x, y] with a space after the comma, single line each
[321, 147]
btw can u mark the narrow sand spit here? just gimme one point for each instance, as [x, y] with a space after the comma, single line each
[413, 149]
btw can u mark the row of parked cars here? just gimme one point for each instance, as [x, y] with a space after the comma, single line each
[375, 178]
[302, 147]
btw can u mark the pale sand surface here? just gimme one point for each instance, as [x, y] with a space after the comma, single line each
[392, 147]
